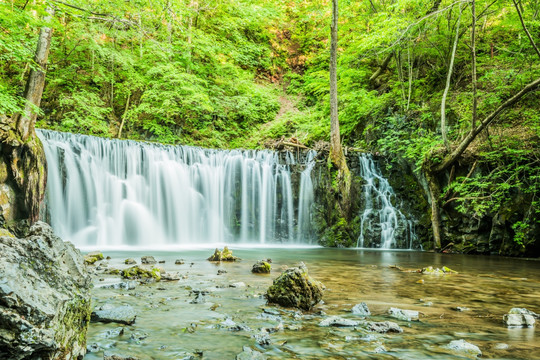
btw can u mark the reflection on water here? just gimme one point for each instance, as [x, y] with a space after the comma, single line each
[488, 286]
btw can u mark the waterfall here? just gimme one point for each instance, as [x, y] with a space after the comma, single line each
[104, 192]
[381, 223]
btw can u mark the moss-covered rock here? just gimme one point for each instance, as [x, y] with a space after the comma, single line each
[261, 267]
[223, 255]
[295, 288]
[141, 273]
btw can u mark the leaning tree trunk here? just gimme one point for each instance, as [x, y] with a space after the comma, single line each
[336, 152]
[22, 153]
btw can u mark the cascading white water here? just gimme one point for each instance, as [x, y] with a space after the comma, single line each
[104, 192]
[380, 218]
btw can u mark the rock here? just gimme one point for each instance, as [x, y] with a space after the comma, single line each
[130, 261]
[261, 267]
[431, 271]
[200, 296]
[461, 308]
[124, 285]
[92, 348]
[383, 327]
[464, 347]
[121, 315]
[524, 312]
[148, 260]
[138, 336]
[170, 276]
[338, 321]
[161, 261]
[263, 338]
[112, 333]
[295, 288]
[230, 325]
[518, 320]
[141, 273]
[44, 297]
[221, 272]
[249, 354]
[179, 262]
[225, 255]
[361, 309]
[501, 346]
[92, 257]
[239, 284]
[108, 356]
[405, 315]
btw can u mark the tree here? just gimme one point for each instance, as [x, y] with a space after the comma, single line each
[36, 82]
[336, 152]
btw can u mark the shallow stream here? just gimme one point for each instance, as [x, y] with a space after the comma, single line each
[168, 326]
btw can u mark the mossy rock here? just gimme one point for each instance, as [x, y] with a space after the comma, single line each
[141, 273]
[90, 260]
[4, 232]
[261, 267]
[295, 288]
[224, 255]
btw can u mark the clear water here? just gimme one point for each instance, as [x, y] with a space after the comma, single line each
[489, 286]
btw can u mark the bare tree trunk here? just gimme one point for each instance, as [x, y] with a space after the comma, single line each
[336, 152]
[124, 117]
[448, 79]
[473, 53]
[36, 82]
[434, 194]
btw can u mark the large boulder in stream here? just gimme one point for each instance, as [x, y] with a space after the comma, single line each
[44, 297]
[295, 288]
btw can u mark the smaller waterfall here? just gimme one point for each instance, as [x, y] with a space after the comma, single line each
[380, 219]
[305, 200]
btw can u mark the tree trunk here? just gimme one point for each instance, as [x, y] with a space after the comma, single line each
[452, 157]
[525, 28]
[473, 53]
[124, 117]
[36, 82]
[434, 194]
[336, 152]
[448, 79]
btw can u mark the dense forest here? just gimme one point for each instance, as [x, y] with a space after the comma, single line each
[443, 84]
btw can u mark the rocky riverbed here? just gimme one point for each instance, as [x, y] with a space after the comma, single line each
[374, 306]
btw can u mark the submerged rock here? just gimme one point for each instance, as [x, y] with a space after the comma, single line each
[519, 317]
[295, 288]
[224, 255]
[361, 309]
[405, 315]
[239, 284]
[148, 260]
[179, 262]
[436, 271]
[261, 267]
[464, 347]
[44, 297]
[170, 276]
[120, 314]
[383, 327]
[124, 285]
[108, 356]
[249, 354]
[338, 321]
[130, 261]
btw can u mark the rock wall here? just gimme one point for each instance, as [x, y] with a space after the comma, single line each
[44, 297]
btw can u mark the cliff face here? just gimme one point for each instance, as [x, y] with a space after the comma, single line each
[23, 176]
